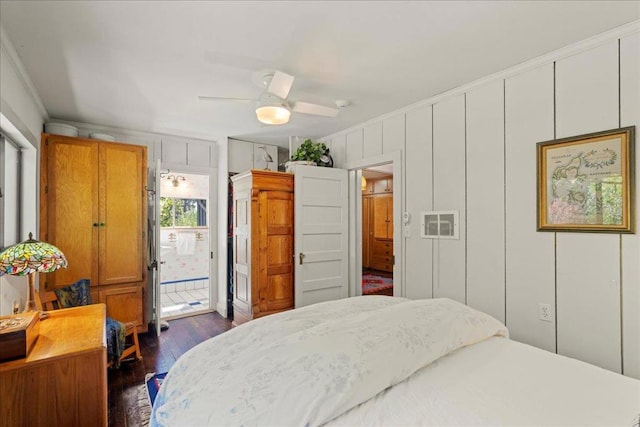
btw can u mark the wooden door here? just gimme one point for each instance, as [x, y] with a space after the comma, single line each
[321, 235]
[124, 303]
[383, 216]
[366, 216]
[122, 206]
[242, 249]
[69, 212]
[389, 201]
[275, 266]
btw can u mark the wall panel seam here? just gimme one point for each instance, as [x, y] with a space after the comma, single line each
[466, 213]
[504, 190]
[433, 248]
[555, 235]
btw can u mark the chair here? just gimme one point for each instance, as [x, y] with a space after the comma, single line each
[48, 300]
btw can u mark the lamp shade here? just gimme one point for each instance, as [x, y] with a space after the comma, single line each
[273, 114]
[31, 256]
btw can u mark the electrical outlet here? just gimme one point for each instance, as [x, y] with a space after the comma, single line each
[544, 312]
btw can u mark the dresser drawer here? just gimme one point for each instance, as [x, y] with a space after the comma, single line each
[382, 247]
[382, 264]
[382, 259]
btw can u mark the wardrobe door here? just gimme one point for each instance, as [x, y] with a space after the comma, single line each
[379, 217]
[122, 205]
[276, 251]
[389, 202]
[69, 212]
[366, 230]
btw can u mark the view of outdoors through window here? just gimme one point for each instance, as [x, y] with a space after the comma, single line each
[176, 212]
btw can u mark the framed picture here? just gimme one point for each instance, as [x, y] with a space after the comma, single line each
[586, 182]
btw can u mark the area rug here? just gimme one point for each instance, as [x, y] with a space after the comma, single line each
[372, 284]
[147, 393]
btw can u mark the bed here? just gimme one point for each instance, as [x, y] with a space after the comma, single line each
[377, 360]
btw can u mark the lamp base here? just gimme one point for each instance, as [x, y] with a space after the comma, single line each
[30, 305]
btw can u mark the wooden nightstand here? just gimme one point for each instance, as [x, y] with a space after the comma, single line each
[63, 379]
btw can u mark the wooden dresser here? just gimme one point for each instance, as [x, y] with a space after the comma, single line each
[262, 244]
[93, 206]
[63, 379]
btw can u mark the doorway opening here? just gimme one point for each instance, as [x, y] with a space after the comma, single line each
[185, 233]
[377, 230]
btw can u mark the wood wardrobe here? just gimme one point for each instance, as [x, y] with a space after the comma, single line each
[93, 206]
[262, 244]
[377, 224]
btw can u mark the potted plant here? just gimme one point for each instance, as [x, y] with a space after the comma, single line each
[308, 153]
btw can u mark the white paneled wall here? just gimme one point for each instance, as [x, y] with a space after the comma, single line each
[244, 155]
[449, 178]
[372, 140]
[485, 199]
[474, 150]
[630, 116]
[354, 146]
[530, 255]
[418, 196]
[588, 266]
[393, 134]
[338, 150]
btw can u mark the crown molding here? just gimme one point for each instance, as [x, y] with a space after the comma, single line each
[88, 127]
[15, 62]
[556, 55]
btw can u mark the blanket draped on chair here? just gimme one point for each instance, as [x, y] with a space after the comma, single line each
[115, 341]
[79, 294]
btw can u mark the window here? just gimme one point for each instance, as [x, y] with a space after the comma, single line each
[10, 172]
[177, 212]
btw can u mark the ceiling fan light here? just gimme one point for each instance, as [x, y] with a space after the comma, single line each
[273, 114]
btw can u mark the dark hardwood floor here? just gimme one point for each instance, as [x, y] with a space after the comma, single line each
[158, 355]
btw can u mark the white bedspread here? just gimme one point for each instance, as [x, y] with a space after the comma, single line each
[501, 382]
[309, 366]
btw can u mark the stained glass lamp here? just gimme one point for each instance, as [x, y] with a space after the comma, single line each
[28, 258]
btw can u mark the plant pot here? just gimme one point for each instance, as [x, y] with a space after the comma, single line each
[291, 166]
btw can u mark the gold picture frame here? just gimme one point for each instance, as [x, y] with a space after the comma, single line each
[586, 182]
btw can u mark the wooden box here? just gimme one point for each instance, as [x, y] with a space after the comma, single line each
[18, 333]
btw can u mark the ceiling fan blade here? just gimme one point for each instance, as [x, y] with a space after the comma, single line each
[222, 98]
[280, 84]
[318, 110]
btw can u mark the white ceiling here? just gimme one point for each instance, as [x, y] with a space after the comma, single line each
[141, 65]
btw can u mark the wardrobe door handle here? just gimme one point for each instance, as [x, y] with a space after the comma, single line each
[301, 258]
[95, 224]
[102, 224]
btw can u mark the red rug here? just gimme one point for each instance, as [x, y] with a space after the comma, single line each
[375, 284]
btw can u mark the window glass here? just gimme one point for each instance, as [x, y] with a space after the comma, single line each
[177, 212]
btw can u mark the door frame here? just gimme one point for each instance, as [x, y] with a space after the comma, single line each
[212, 173]
[355, 219]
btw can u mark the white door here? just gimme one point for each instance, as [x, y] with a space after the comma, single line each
[321, 235]
[157, 297]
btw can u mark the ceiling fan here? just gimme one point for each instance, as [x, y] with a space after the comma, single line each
[272, 107]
